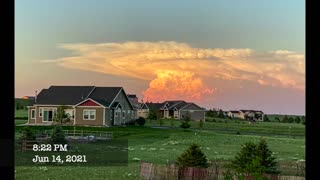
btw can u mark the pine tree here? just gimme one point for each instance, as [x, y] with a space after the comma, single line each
[27, 134]
[61, 116]
[192, 157]
[290, 119]
[221, 114]
[57, 136]
[285, 119]
[254, 159]
[297, 120]
[267, 160]
[266, 118]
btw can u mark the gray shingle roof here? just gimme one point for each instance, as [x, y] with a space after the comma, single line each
[104, 95]
[63, 95]
[72, 95]
[155, 106]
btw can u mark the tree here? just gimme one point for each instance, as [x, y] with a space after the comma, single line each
[152, 114]
[266, 118]
[18, 105]
[267, 160]
[185, 123]
[285, 119]
[290, 119]
[201, 124]
[221, 114]
[212, 113]
[277, 119]
[254, 159]
[27, 134]
[140, 121]
[303, 120]
[57, 136]
[192, 157]
[297, 120]
[61, 116]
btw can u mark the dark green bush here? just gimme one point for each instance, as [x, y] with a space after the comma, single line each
[27, 134]
[57, 136]
[141, 121]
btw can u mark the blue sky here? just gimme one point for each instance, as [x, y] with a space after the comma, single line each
[40, 26]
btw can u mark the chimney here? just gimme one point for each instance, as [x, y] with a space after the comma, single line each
[35, 97]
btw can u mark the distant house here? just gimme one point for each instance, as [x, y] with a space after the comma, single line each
[141, 109]
[234, 114]
[178, 110]
[251, 115]
[86, 105]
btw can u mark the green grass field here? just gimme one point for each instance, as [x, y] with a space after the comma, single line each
[159, 145]
[21, 113]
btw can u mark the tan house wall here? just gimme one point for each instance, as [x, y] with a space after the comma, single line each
[143, 113]
[38, 119]
[97, 122]
[30, 121]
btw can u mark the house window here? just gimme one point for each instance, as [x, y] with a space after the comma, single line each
[33, 113]
[48, 114]
[40, 112]
[116, 115]
[123, 113]
[89, 114]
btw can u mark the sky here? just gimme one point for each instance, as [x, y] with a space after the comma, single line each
[225, 54]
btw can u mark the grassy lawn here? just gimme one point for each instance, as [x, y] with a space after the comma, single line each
[21, 113]
[20, 121]
[243, 127]
[162, 145]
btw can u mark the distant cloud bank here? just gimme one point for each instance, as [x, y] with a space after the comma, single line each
[179, 71]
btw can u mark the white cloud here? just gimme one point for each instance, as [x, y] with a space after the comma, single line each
[175, 64]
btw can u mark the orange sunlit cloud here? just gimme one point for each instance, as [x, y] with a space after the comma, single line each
[178, 71]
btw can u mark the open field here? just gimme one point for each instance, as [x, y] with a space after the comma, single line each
[21, 113]
[160, 145]
[280, 116]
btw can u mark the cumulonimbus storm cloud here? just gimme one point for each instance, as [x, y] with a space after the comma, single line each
[179, 71]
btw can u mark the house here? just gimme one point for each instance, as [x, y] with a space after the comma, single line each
[234, 114]
[251, 115]
[140, 108]
[178, 109]
[85, 105]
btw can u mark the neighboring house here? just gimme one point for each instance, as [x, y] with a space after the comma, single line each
[234, 114]
[251, 115]
[155, 107]
[86, 105]
[178, 110]
[141, 109]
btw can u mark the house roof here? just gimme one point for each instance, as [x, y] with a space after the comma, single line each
[72, 95]
[181, 105]
[171, 104]
[132, 96]
[63, 95]
[135, 104]
[154, 105]
[254, 111]
[104, 95]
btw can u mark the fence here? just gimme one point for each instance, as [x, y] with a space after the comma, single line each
[98, 134]
[149, 171]
[27, 145]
